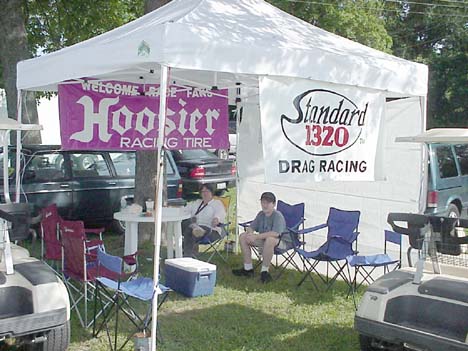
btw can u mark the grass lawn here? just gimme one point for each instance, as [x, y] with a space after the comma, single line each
[242, 314]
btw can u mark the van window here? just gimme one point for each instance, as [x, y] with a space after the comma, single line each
[89, 165]
[447, 165]
[462, 155]
[124, 163]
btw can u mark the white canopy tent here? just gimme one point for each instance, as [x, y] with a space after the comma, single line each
[231, 44]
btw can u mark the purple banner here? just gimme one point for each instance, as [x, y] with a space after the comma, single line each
[116, 115]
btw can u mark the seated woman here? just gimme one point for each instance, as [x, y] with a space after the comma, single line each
[207, 214]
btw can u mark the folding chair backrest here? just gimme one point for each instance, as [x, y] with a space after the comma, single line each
[51, 213]
[73, 242]
[112, 264]
[343, 223]
[293, 214]
[49, 232]
[392, 237]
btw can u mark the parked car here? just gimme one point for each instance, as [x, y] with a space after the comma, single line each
[447, 180]
[232, 130]
[86, 185]
[198, 167]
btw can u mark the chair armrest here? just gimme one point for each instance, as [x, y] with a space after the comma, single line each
[94, 230]
[131, 259]
[245, 224]
[310, 229]
[93, 243]
[341, 239]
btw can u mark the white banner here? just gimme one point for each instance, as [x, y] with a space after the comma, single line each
[314, 131]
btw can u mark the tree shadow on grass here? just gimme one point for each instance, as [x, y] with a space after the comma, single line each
[236, 327]
[286, 284]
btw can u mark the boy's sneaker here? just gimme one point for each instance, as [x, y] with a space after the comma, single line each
[265, 277]
[243, 272]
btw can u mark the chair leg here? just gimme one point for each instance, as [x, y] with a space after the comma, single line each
[116, 324]
[308, 273]
[353, 286]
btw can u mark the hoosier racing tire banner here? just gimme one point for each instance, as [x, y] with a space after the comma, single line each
[315, 131]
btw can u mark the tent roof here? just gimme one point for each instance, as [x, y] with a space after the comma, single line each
[242, 37]
[442, 135]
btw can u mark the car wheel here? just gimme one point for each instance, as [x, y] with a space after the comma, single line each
[453, 211]
[58, 339]
[368, 343]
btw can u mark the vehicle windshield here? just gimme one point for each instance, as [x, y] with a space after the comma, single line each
[193, 154]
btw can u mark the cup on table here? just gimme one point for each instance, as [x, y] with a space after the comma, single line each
[149, 206]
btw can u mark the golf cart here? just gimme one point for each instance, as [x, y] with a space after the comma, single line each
[34, 304]
[425, 307]
[416, 308]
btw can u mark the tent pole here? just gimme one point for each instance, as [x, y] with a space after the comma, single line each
[18, 146]
[6, 181]
[425, 164]
[238, 110]
[159, 199]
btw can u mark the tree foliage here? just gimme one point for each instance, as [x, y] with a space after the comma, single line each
[435, 33]
[358, 20]
[55, 24]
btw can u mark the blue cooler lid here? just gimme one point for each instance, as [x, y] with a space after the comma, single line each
[190, 264]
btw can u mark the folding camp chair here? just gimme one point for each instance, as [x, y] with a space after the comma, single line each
[79, 266]
[214, 246]
[364, 266]
[51, 247]
[342, 235]
[284, 254]
[122, 289]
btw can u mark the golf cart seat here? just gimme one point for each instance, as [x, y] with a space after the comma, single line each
[18, 214]
[445, 288]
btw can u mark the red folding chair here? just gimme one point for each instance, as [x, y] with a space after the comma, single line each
[79, 268]
[51, 247]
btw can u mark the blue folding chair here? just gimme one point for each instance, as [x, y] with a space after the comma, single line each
[289, 240]
[342, 235]
[112, 284]
[364, 266]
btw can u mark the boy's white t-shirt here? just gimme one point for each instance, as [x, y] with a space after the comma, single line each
[214, 209]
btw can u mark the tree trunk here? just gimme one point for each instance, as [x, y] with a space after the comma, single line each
[146, 162]
[14, 48]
